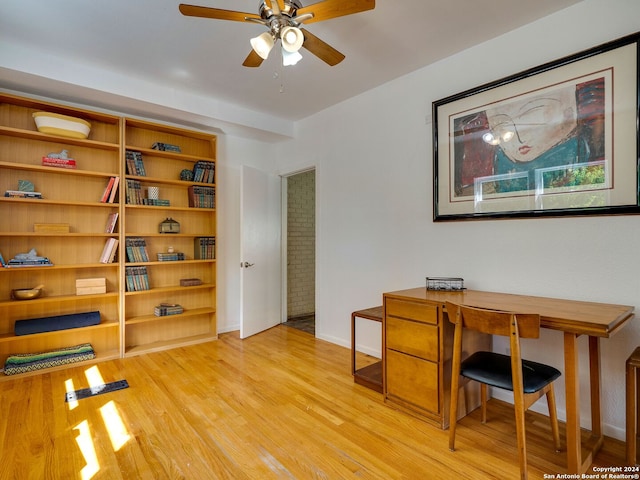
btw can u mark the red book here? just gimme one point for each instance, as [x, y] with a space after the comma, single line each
[114, 189]
[107, 190]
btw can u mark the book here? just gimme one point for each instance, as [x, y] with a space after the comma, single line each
[112, 220]
[2, 264]
[58, 162]
[171, 257]
[134, 163]
[165, 309]
[204, 248]
[19, 194]
[136, 249]
[201, 196]
[109, 250]
[114, 189]
[107, 190]
[133, 192]
[136, 279]
[204, 171]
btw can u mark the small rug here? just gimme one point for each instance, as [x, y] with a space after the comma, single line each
[28, 362]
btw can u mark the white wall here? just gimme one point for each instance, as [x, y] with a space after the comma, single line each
[373, 158]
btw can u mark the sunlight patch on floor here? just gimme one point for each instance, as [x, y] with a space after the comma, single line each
[115, 426]
[118, 433]
[88, 451]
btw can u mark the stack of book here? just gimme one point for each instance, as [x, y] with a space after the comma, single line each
[21, 194]
[111, 190]
[165, 309]
[109, 250]
[30, 259]
[166, 147]
[58, 162]
[202, 197]
[204, 172]
[136, 248]
[136, 279]
[135, 165]
[204, 248]
[91, 286]
[170, 257]
[156, 202]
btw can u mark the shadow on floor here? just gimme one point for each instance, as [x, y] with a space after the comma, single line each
[306, 323]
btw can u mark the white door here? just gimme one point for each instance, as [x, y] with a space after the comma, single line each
[260, 278]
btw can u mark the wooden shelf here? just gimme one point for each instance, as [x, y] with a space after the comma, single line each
[72, 196]
[158, 290]
[60, 171]
[154, 318]
[10, 337]
[160, 346]
[58, 267]
[35, 135]
[173, 262]
[43, 201]
[57, 299]
[167, 181]
[163, 168]
[370, 376]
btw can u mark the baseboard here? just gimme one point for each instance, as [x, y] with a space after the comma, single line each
[609, 430]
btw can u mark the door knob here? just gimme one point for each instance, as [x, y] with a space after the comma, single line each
[247, 264]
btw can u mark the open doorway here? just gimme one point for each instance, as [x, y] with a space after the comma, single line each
[301, 250]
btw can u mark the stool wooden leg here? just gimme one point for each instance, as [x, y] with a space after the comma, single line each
[632, 412]
[353, 344]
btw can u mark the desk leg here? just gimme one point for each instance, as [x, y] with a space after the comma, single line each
[572, 383]
[594, 369]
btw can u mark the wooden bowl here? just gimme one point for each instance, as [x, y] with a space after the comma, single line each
[26, 293]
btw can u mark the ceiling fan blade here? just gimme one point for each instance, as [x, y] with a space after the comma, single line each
[252, 60]
[216, 13]
[335, 8]
[320, 49]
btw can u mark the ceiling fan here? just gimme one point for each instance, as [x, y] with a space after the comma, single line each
[284, 19]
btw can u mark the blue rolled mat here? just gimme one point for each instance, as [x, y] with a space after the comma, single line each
[59, 322]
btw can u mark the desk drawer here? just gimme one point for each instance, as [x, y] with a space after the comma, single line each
[420, 312]
[413, 380]
[414, 338]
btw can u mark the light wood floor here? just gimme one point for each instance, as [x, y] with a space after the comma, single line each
[279, 405]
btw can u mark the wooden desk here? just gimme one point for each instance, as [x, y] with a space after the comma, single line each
[572, 318]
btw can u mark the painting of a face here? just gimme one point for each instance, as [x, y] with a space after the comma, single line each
[528, 128]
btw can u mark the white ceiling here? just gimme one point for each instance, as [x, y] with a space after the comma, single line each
[150, 41]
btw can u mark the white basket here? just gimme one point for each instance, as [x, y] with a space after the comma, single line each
[62, 125]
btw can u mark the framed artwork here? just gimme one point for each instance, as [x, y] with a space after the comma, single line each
[559, 139]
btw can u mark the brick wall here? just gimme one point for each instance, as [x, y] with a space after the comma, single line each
[301, 221]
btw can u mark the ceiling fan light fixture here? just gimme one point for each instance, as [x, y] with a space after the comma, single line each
[262, 44]
[290, 58]
[292, 39]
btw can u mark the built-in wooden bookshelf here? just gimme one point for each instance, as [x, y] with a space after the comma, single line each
[73, 196]
[69, 196]
[143, 331]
